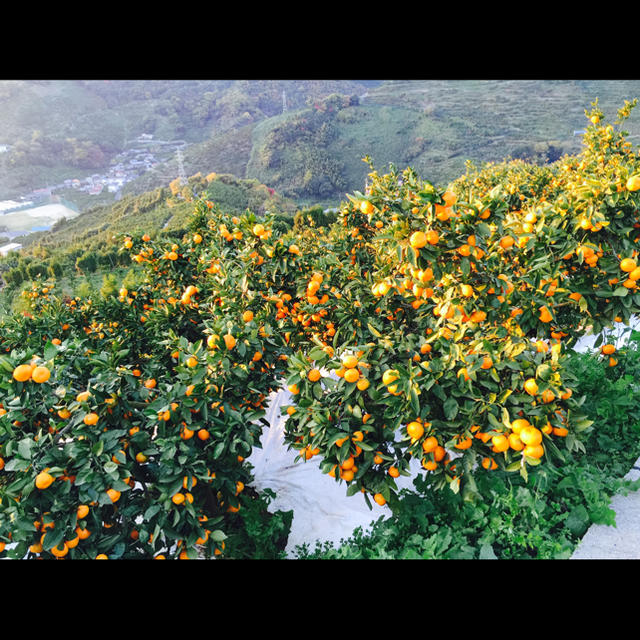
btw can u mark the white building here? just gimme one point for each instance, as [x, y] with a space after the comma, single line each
[13, 246]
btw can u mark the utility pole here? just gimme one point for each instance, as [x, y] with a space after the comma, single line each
[181, 173]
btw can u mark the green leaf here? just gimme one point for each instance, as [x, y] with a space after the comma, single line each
[543, 371]
[506, 420]
[218, 536]
[50, 350]
[450, 408]
[24, 448]
[218, 449]
[415, 402]
[317, 354]
[151, 511]
[578, 520]
[97, 448]
[621, 292]
[373, 330]
[110, 467]
[494, 421]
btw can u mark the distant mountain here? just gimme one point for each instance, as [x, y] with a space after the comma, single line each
[304, 138]
[58, 129]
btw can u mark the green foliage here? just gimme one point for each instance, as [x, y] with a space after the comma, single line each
[259, 534]
[544, 518]
[109, 285]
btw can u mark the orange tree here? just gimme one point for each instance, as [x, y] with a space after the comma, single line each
[457, 310]
[425, 325]
[150, 404]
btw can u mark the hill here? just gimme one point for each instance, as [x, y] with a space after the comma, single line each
[57, 129]
[303, 138]
[82, 251]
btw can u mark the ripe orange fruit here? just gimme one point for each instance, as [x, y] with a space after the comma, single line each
[515, 443]
[363, 384]
[530, 436]
[192, 361]
[545, 315]
[418, 239]
[83, 396]
[203, 434]
[60, 551]
[518, 425]
[506, 242]
[533, 451]
[531, 387]
[178, 498]
[466, 290]
[22, 372]
[40, 374]
[489, 463]
[628, 265]
[73, 543]
[113, 495]
[433, 237]
[348, 463]
[500, 443]
[44, 480]
[389, 376]
[430, 444]
[608, 349]
[449, 198]
[352, 375]
[349, 362]
[366, 207]
[415, 430]
[547, 396]
[102, 556]
[150, 383]
[83, 534]
[633, 183]
[393, 472]
[487, 363]
[230, 341]
[90, 418]
[347, 475]
[247, 316]
[186, 433]
[379, 498]
[314, 375]
[83, 511]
